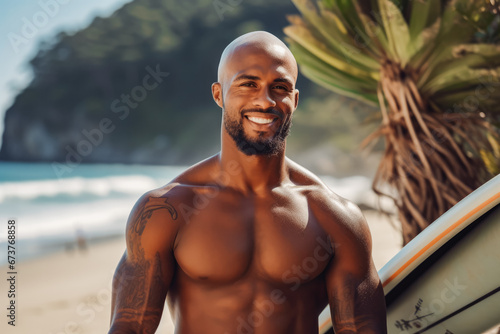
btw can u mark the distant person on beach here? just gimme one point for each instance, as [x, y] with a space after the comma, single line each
[248, 241]
[81, 241]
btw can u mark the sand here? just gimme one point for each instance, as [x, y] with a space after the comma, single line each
[70, 292]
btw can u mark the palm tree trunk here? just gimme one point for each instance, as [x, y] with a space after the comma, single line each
[427, 160]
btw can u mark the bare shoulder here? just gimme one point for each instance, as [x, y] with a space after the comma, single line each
[338, 216]
[157, 215]
[177, 191]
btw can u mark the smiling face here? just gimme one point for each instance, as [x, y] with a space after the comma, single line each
[256, 90]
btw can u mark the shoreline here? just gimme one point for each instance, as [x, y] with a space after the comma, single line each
[45, 247]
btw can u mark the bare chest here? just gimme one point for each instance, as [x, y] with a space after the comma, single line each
[276, 238]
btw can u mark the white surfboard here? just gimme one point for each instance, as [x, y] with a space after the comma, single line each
[447, 279]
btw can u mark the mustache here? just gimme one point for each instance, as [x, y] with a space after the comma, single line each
[272, 111]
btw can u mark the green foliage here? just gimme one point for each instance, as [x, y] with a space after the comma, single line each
[354, 34]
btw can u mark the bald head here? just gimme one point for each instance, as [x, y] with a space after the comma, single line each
[251, 43]
[256, 92]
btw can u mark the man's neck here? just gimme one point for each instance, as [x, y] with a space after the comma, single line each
[251, 173]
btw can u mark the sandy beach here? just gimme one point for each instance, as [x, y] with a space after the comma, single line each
[70, 292]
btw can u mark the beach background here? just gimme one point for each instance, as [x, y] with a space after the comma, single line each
[103, 100]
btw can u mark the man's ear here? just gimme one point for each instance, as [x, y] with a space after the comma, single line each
[296, 95]
[217, 93]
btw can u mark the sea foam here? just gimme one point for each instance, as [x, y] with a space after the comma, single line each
[76, 186]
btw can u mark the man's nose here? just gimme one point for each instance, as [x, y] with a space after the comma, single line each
[264, 99]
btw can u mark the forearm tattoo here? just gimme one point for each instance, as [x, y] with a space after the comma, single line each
[348, 317]
[141, 288]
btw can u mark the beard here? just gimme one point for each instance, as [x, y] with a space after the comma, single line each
[260, 145]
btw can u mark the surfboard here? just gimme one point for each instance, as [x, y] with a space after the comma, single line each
[447, 279]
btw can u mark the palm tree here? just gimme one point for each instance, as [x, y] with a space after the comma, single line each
[433, 67]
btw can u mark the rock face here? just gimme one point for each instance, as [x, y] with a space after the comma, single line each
[133, 87]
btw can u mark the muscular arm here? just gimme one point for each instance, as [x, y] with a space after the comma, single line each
[354, 289]
[144, 273]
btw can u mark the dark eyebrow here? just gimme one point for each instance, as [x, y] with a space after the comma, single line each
[256, 78]
[246, 77]
[284, 80]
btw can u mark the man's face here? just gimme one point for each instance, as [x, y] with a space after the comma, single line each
[259, 97]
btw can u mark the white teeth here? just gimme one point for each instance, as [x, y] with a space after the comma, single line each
[261, 120]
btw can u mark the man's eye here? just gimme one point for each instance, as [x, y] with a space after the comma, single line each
[281, 88]
[248, 84]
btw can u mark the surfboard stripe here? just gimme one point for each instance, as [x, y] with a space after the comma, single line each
[323, 325]
[423, 330]
[439, 237]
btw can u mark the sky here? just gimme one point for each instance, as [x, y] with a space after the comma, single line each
[25, 23]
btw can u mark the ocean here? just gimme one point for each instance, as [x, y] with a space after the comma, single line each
[93, 202]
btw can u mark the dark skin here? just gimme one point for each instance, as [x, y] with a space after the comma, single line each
[248, 242]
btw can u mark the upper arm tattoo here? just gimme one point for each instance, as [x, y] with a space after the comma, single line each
[146, 212]
[140, 220]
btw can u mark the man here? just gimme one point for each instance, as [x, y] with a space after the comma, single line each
[248, 241]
